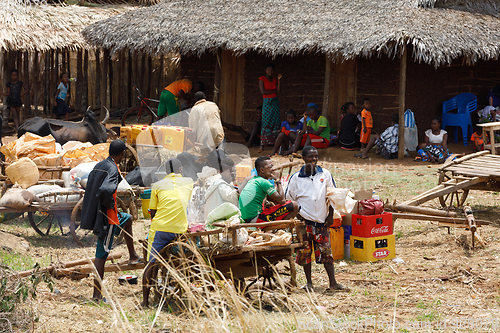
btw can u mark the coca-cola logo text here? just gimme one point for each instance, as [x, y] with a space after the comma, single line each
[380, 254]
[380, 230]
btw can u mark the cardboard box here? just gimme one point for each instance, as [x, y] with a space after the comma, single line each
[359, 195]
[373, 249]
[242, 171]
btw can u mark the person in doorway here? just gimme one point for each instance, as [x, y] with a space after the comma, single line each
[366, 123]
[270, 89]
[60, 106]
[317, 133]
[205, 119]
[168, 204]
[169, 98]
[348, 137]
[222, 190]
[100, 214]
[386, 143]
[15, 91]
[258, 188]
[308, 188]
[289, 129]
[252, 138]
[494, 97]
[435, 148]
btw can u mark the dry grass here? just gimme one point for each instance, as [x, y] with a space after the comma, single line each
[441, 278]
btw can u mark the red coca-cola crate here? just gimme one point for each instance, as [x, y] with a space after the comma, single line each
[368, 226]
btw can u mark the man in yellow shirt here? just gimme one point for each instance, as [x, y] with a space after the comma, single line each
[169, 200]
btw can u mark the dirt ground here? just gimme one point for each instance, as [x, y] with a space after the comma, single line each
[438, 282]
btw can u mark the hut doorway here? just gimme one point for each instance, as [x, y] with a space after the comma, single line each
[232, 83]
[340, 87]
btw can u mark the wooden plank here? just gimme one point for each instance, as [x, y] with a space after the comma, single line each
[104, 81]
[35, 83]
[449, 189]
[473, 172]
[79, 80]
[402, 100]
[463, 159]
[29, 85]
[98, 76]
[240, 89]
[217, 76]
[85, 83]
[413, 200]
[46, 92]
[326, 89]
[443, 219]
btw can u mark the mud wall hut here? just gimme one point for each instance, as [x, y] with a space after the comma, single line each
[399, 53]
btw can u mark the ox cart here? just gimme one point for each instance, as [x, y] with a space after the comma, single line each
[60, 212]
[478, 171]
[199, 257]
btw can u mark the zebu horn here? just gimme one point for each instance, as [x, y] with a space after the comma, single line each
[105, 118]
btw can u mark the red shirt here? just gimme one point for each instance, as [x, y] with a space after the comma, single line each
[269, 85]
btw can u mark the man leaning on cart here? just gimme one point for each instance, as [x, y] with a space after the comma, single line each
[168, 204]
[100, 214]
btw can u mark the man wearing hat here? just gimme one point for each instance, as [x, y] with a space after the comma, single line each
[168, 204]
[100, 214]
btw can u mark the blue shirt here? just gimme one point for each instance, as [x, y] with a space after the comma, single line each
[63, 91]
[287, 126]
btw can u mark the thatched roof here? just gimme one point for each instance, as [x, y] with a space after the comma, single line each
[339, 28]
[28, 26]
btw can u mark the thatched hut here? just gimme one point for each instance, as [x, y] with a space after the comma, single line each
[43, 39]
[329, 51]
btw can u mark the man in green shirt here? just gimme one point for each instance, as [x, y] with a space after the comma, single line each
[317, 133]
[258, 188]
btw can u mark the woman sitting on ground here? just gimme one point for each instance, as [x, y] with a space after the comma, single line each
[289, 128]
[435, 148]
[348, 137]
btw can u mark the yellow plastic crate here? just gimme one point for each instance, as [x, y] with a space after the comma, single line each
[373, 249]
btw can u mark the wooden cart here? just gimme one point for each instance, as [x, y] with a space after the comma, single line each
[478, 171]
[234, 262]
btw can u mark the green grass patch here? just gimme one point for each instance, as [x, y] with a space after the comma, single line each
[20, 262]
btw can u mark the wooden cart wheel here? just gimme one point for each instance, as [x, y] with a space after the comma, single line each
[191, 272]
[130, 161]
[454, 199]
[74, 226]
[46, 223]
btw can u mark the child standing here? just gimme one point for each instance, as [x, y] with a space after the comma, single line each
[14, 93]
[288, 134]
[60, 106]
[367, 123]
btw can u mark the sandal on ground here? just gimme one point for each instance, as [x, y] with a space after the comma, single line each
[360, 155]
[261, 149]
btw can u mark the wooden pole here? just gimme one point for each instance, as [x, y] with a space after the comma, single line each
[129, 79]
[35, 83]
[420, 210]
[326, 91]
[85, 83]
[402, 95]
[28, 83]
[104, 80]
[46, 91]
[54, 79]
[98, 76]
[217, 78]
[75, 263]
[419, 217]
[79, 80]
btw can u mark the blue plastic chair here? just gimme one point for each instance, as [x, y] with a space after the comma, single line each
[464, 104]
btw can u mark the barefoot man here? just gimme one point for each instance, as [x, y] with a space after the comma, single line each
[99, 212]
[308, 188]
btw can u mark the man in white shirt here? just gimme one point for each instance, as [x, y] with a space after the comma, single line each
[205, 119]
[308, 188]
